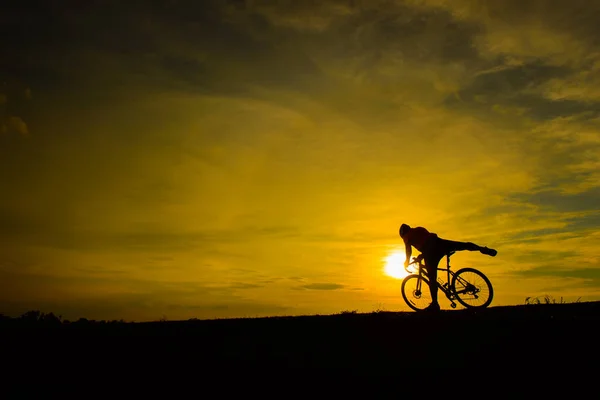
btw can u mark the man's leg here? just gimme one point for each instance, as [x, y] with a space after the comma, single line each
[431, 263]
[451, 245]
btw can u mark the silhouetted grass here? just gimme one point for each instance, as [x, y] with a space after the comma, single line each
[547, 299]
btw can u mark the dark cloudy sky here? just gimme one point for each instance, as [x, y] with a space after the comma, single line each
[243, 158]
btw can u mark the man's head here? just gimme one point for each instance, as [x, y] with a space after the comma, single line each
[403, 229]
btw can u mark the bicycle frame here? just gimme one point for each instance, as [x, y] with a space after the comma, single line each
[446, 288]
[449, 288]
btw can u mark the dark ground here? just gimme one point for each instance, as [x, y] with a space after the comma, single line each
[542, 340]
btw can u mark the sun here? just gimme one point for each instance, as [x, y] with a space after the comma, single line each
[394, 265]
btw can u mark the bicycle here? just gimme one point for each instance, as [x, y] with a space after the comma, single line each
[454, 288]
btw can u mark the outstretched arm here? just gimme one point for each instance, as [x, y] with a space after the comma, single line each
[408, 250]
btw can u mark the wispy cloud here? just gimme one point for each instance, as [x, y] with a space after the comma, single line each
[323, 286]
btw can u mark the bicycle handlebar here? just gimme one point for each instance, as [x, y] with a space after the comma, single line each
[415, 260]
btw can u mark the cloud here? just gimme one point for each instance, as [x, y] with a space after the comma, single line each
[519, 89]
[242, 285]
[323, 286]
[590, 275]
[565, 202]
[303, 16]
[582, 85]
[560, 32]
[17, 125]
[13, 99]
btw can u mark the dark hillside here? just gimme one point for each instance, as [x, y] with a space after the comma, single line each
[371, 344]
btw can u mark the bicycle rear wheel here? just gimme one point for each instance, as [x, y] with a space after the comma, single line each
[472, 288]
[415, 291]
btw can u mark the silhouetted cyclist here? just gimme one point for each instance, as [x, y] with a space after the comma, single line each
[433, 249]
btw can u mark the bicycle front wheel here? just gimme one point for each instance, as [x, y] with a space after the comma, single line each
[472, 288]
[416, 293]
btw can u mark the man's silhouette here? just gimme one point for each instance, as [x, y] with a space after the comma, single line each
[433, 249]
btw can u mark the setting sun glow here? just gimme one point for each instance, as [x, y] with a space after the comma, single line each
[394, 265]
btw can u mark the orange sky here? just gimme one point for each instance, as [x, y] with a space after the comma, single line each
[249, 158]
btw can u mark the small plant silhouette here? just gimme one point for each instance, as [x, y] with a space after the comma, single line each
[379, 308]
[38, 316]
[547, 299]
